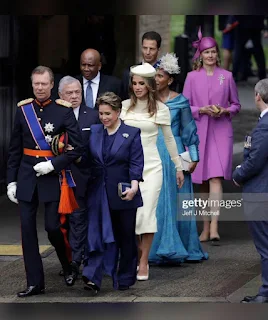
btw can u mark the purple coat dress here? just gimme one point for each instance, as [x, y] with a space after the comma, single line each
[215, 134]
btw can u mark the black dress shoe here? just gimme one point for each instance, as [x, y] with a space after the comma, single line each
[255, 299]
[215, 241]
[123, 288]
[31, 291]
[90, 286]
[69, 277]
[75, 269]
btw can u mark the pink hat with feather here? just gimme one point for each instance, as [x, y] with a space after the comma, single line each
[203, 43]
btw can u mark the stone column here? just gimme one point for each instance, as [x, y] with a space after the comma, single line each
[160, 24]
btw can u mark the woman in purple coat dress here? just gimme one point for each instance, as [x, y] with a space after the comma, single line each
[213, 97]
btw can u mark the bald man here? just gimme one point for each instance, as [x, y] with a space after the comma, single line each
[93, 82]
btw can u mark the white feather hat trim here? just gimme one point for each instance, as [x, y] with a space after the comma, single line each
[169, 63]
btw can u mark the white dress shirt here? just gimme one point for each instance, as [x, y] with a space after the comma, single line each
[76, 112]
[94, 85]
[263, 112]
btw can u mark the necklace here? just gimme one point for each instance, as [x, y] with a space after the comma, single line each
[167, 98]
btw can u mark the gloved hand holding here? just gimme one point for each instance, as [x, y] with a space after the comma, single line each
[43, 168]
[11, 192]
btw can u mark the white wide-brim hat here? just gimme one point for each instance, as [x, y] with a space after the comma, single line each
[144, 70]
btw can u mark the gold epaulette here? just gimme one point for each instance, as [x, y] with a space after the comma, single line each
[23, 102]
[63, 103]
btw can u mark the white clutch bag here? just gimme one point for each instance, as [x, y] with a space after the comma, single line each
[185, 160]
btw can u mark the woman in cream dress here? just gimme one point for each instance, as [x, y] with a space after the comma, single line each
[144, 111]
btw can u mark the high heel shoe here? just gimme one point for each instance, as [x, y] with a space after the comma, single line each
[144, 278]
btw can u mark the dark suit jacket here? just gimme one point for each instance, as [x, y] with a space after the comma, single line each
[107, 83]
[125, 163]
[253, 173]
[20, 166]
[86, 118]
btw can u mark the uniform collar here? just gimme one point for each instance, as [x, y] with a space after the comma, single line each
[43, 103]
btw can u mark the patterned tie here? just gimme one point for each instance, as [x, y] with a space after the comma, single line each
[89, 96]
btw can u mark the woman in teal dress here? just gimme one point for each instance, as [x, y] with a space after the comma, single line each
[177, 239]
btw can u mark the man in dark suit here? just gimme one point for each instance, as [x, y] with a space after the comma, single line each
[93, 82]
[252, 174]
[33, 173]
[249, 28]
[151, 43]
[70, 90]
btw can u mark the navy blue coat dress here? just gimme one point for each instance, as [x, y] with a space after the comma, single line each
[122, 163]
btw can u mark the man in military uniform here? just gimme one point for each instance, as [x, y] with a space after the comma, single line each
[33, 173]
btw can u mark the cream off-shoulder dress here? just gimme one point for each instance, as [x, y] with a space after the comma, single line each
[152, 174]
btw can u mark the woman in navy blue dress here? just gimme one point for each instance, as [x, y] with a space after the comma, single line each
[116, 155]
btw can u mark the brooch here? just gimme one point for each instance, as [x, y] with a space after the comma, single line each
[125, 135]
[221, 78]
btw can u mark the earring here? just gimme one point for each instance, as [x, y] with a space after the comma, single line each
[200, 60]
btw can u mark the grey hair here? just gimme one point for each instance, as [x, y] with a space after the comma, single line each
[262, 89]
[67, 80]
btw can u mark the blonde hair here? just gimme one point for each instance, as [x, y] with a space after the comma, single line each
[198, 63]
[152, 95]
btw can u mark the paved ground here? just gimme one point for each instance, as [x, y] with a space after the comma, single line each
[231, 272]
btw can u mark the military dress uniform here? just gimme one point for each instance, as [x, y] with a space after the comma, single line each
[55, 117]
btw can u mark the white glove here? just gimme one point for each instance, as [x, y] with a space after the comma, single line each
[43, 168]
[11, 192]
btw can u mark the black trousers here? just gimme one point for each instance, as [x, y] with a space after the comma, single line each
[241, 38]
[78, 230]
[32, 259]
[256, 214]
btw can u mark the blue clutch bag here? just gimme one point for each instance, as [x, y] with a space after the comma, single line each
[122, 187]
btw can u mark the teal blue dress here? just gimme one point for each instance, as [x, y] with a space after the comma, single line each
[176, 239]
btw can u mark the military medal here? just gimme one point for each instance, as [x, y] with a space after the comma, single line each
[49, 127]
[48, 138]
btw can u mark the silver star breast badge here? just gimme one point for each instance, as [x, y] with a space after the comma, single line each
[48, 138]
[49, 127]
